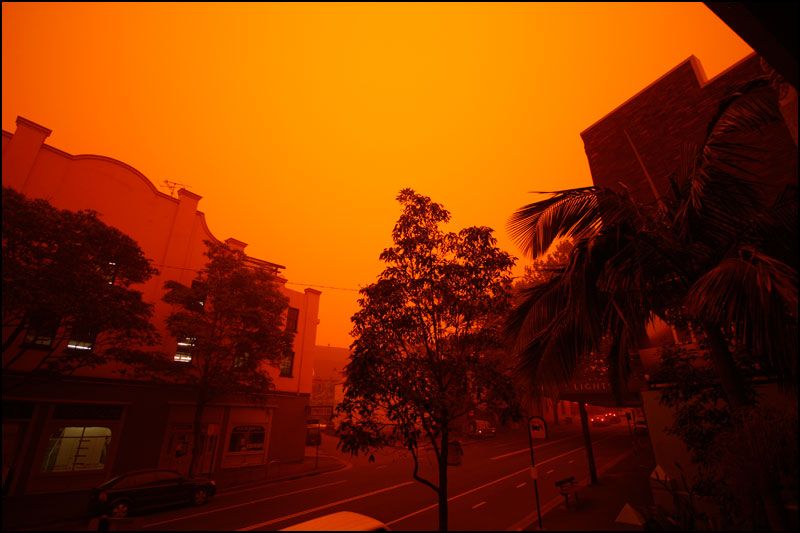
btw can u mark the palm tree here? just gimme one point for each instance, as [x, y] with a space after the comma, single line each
[716, 253]
[713, 253]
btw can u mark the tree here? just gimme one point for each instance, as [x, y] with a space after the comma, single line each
[67, 276]
[229, 325]
[539, 271]
[718, 255]
[426, 339]
[543, 268]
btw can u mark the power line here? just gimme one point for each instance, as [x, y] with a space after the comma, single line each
[287, 283]
[323, 286]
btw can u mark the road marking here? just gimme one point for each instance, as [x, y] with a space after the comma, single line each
[525, 470]
[321, 507]
[522, 484]
[527, 449]
[478, 505]
[571, 461]
[553, 470]
[212, 511]
[381, 466]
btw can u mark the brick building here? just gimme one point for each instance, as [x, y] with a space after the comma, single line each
[122, 423]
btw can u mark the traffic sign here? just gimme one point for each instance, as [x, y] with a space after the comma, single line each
[537, 427]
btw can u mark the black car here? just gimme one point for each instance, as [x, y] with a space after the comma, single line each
[140, 490]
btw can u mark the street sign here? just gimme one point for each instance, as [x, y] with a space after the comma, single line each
[537, 427]
[319, 411]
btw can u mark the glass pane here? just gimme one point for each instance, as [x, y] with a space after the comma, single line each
[74, 448]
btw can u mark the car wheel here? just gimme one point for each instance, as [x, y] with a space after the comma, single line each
[200, 496]
[120, 509]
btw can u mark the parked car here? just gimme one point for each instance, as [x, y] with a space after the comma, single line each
[140, 490]
[640, 427]
[341, 521]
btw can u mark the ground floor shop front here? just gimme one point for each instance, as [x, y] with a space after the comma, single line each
[74, 434]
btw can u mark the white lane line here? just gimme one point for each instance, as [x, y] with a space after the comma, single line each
[478, 505]
[527, 449]
[321, 507]
[522, 484]
[553, 470]
[229, 507]
[525, 470]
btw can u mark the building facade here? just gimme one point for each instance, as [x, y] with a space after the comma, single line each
[74, 434]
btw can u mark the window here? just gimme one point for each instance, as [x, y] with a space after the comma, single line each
[42, 329]
[247, 439]
[137, 480]
[184, 352]
[241, 359]
[82, 338]
[77, 448]
[168, 477]
[287, 362]
[110, 274]
[292, 316]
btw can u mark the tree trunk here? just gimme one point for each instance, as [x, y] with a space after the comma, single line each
[725, 366]
[555, 411]
[587, 440]
[443, 481]
[197, 428]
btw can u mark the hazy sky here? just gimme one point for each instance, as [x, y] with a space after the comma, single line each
[298, 124]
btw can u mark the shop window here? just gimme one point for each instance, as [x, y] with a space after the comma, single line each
[77, 448]
[184, 352]
[287, 362]
[292, 316]
[42, 329]
[247, 439]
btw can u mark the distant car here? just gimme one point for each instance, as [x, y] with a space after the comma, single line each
[613, 418]
[599, 420]
[341, 521]
[141, 490]
[482, 429]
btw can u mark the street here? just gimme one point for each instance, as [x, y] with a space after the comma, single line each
[491, 490]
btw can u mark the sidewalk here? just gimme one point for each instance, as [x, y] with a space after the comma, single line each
[625, 480]
[66, 511]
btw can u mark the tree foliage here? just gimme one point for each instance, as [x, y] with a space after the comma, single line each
[74, 271]
[427, 339]
[230, 321]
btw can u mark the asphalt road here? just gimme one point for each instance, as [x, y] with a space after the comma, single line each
[492, 490]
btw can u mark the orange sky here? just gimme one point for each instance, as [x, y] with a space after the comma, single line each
[300, 123]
